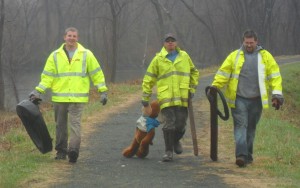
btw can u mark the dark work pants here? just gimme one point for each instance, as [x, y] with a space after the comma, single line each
[174, 118]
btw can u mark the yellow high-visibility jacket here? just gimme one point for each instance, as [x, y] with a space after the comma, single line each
[268, 76]
[70, 81]
[174, 80]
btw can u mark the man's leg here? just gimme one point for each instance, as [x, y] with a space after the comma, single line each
[240, 119]
[168, 121]
[255, 110]
[181, 114]
[61, 120]
[75, 112]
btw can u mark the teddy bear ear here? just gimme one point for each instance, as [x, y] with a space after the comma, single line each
[155, 108]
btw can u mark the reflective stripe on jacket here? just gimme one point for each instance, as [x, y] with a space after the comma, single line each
[70, 81]
[174, 80]
[268, 76]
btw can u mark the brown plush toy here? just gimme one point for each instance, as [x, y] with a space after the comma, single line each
[144, 132]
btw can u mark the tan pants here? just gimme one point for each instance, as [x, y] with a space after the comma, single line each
[61, 111]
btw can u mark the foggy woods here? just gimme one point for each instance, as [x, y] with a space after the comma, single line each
[124, 35]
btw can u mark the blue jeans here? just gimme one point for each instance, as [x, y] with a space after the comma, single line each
[246, 115]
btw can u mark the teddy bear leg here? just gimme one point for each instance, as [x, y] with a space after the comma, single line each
[144, 145]
[131, 150]
[134, 146]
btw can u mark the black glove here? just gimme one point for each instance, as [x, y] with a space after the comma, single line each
[277, 101]
[35, 97]
[145, 103]
[103, 98]
[208, 93]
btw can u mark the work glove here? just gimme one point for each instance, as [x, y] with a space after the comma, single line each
[277, 101]
[35, 97]
[145, 103]
[103, 98]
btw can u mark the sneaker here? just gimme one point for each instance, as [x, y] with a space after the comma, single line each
[168, 156]
[60, 156]
[240, 161]
[73, 155]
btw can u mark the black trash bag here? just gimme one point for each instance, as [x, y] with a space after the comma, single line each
[35, 126]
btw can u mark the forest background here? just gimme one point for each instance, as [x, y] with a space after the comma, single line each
[124, 35]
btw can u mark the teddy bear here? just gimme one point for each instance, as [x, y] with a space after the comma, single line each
[144, 132]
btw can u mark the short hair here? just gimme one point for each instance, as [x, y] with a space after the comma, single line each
[250, 34]
[73, 29]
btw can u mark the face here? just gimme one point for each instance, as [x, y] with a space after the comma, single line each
[250, 44]
[71, 39]
[170, 44]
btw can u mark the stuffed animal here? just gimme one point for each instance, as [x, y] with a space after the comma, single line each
[144, 132]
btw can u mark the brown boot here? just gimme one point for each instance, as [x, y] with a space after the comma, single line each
[240, 161]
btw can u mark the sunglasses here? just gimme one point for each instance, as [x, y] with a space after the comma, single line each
[170, 40]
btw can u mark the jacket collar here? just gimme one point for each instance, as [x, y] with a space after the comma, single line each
[164, 52]
[79, 47]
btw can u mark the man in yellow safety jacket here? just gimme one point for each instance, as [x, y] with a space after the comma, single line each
[67, 73]
[248, 74]
[176, 78]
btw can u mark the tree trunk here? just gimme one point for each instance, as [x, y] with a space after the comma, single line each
[115, 11]
[160, 17]
[2, 16]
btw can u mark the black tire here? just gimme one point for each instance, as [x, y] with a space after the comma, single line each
[35, 126]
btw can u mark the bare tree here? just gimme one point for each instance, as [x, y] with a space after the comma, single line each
[115, 10]
[169, 24]
[2, 88]
[126, 34]
[267, 21]
[24, 20]
[161, 24]
[209, 26]
[296, 22]
[240, 15]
